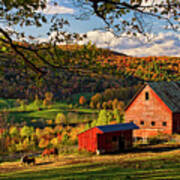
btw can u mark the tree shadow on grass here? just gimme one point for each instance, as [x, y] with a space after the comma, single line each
[145, 149]
[155, 149]
[44, 163]
[94, 171]
[100, 171]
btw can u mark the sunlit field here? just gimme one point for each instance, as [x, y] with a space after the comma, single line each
[138, 165]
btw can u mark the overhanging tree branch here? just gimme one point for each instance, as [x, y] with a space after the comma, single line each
[109, 10]
[14, 47]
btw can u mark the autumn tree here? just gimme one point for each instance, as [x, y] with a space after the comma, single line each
[43, 143]
[92, 105]
[104, 105]
[118, 116]
[47, 102]
[26, 131]
[4, 125]
[115, 103]
[60, 119]
[30, 53]
[108, 94]
[13, 131]
[104, 118]
[82, 100]
[120, 106]
[97, 98]
[130, 17]
[37, 101]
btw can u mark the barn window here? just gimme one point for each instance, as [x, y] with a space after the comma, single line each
[114, 138]
[164, 124]
[146, 95]
[142, 122]
[153, 123]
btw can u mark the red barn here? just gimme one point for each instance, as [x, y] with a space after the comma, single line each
[155, 109]
[109, 138]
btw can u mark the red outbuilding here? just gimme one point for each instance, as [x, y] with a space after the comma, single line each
[155, 109]
[108, 138]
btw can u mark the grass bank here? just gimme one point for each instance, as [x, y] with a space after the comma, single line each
[141, 165]
[33, 115]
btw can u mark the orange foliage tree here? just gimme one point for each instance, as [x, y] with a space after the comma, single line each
[82, 100]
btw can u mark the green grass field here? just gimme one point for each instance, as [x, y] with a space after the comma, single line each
[31, 114]
[144, 165]
[6, 103]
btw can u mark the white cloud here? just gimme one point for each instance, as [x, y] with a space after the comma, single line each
[56, 9]
[150, 2]
[163, 44]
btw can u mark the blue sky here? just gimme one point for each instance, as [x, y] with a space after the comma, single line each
[65, 10]
[165, 43]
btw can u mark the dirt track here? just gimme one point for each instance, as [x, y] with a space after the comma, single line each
[47, 163]
[41, 164]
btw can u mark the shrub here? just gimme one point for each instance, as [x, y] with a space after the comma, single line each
[54, 141]
[12, 148]
[161, 138]
[65, 138]
[58, 129]
[13, 131]
[66, 149]
[43, 143]
[98, 106]
[91, 105]
[94, 123]
[48, 130]
[26, 131]
[19, 147]
[60, 118]
[176, 138]
[49, 122]
[104, 105]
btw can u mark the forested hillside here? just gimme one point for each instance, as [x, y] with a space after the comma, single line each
[107, 70]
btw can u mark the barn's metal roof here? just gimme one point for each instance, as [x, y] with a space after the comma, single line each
[169, 92]
[117, 127]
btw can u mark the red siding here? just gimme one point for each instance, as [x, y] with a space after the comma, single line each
[94, 139]
[106, 143]
[88, 139]
[148, 111]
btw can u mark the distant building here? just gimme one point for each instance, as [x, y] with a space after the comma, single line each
[155, 109]
[109, 138]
